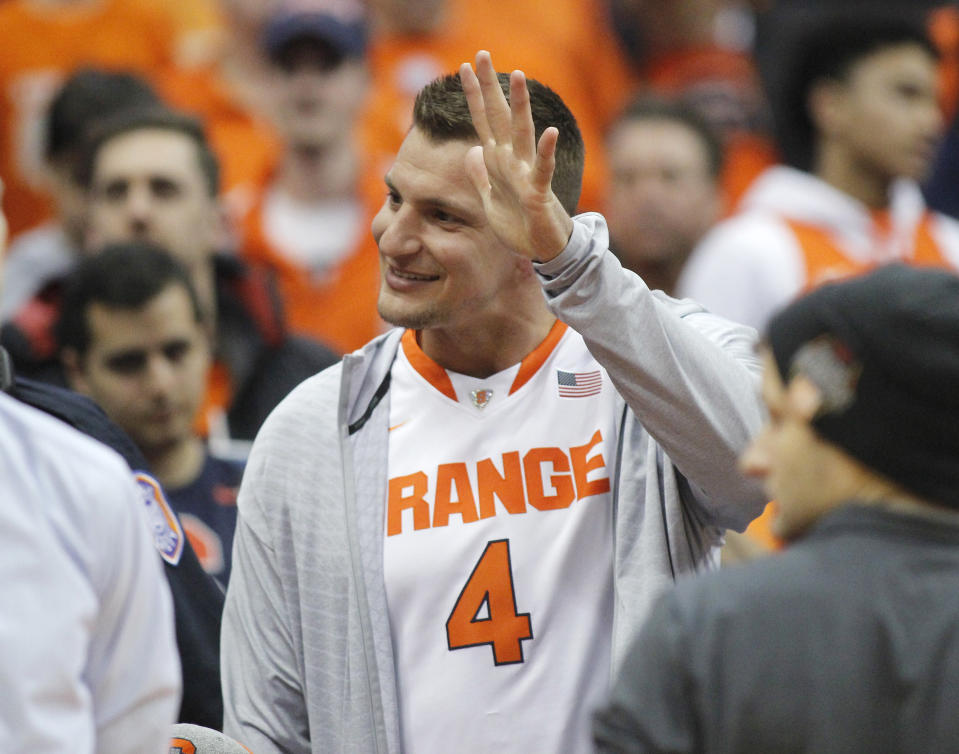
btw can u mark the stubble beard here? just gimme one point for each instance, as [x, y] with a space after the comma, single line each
[422, 319]
[419, 318]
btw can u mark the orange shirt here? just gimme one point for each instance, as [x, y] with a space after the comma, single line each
[41, 48]
[338, 308]
[826, 261]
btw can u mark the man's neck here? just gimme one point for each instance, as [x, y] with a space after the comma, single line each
[319, 173]
[842, 171]
[490, 345]
[179, 464]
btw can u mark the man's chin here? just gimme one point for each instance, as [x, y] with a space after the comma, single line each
[410, 319]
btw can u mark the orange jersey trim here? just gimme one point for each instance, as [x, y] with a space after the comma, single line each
[825, 261]
[531, 364]
[428, 369]
[436, 375]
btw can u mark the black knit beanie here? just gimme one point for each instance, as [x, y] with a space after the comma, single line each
[884, 350]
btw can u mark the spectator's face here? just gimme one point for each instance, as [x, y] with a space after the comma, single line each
[797, 468]
[147, 368]
[886, 112]
[317, 94]
[148, 185]
[662, 197]
[440, 263]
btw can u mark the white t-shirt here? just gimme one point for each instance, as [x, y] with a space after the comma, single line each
[88, 657]
[498, 552]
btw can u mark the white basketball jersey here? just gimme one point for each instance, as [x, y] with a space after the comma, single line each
[498, 549]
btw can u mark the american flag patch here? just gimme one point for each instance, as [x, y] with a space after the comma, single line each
[578, 384]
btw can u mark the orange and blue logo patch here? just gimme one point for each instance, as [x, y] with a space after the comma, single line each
[167, 533]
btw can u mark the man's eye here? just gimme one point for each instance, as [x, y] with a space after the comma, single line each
[393, 198]
[445, 217]
[164, 188]
[114, 191]
[176, 351]
[127, 363]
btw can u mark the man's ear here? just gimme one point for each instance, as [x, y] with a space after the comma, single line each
[804, 396]
[72, 365]
[825, 104]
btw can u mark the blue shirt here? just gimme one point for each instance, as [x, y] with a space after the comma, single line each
[207, 510]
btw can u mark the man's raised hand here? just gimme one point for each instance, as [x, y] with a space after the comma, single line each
[511, 172]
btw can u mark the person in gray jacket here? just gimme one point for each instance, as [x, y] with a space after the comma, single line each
[445, 542]
[848, 641]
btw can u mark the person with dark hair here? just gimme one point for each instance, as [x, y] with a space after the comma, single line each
[848, 641]
[150, 175]
[664, 191]
[858, 121]
[197, 598]
[43, 254]
[444, 542]
[132, 337]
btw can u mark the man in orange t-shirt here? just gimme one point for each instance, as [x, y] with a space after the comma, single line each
[310, 221]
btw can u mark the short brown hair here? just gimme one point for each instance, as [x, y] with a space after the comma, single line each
[441, 112]
[157, 117]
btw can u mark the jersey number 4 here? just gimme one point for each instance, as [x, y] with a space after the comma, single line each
[490, 586]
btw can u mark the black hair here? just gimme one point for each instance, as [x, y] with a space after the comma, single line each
[123, 275]
[86, 97]
[148, 118]
[827, 47]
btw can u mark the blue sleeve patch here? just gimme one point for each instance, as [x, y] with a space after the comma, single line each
[164, 524]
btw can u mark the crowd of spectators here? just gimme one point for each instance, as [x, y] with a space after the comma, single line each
[189, 189]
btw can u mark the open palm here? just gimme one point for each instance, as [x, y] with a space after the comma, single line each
[511, 172]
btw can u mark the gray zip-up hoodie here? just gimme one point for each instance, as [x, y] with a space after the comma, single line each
[306, 650]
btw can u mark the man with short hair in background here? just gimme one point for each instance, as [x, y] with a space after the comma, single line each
[133, 338]
[664, 192]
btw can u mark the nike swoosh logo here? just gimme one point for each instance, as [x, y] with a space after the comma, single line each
[397, 426]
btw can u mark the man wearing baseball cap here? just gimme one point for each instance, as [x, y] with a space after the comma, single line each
[310, 220]
[849, 640]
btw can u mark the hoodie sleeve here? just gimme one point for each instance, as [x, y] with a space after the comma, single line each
[691, 378]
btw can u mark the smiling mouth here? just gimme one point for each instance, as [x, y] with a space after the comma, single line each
[406, 275]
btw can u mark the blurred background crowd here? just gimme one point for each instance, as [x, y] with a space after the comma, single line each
[248, 140]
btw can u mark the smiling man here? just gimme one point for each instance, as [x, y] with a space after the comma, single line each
[848, 641]
[445, 541]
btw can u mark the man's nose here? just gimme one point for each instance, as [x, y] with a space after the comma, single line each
[396, 231]
[139, 206]
[160, 375]
[754, 461]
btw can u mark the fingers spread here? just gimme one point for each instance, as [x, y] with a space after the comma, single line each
[545, 159]
[474, 99]
[497, 109]
[524, 135]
